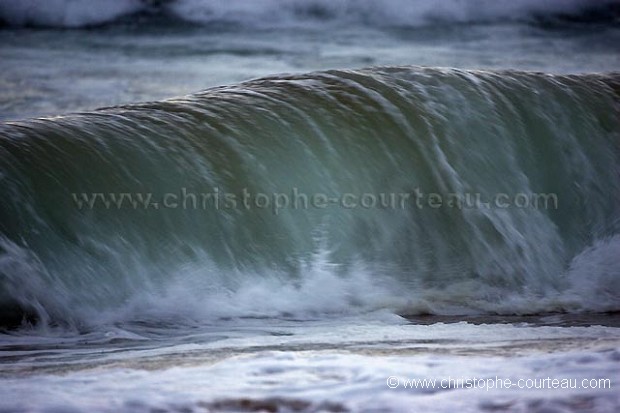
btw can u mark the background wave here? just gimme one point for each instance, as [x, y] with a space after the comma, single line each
[268, 13]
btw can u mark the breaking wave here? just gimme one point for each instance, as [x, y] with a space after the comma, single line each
[68, 257]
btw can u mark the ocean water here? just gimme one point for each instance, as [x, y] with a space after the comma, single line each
[309, 206]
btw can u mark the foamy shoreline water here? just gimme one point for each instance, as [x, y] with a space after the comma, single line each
[322, 366]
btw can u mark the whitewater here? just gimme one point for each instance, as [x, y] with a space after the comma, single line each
[421, 215]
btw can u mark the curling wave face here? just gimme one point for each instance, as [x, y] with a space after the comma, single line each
[393, 130]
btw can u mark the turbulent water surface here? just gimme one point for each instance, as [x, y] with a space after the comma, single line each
[314, 241]
[130, 50]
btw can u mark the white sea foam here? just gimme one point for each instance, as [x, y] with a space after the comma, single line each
[298, 365]
[201, 292]
[594, 277]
